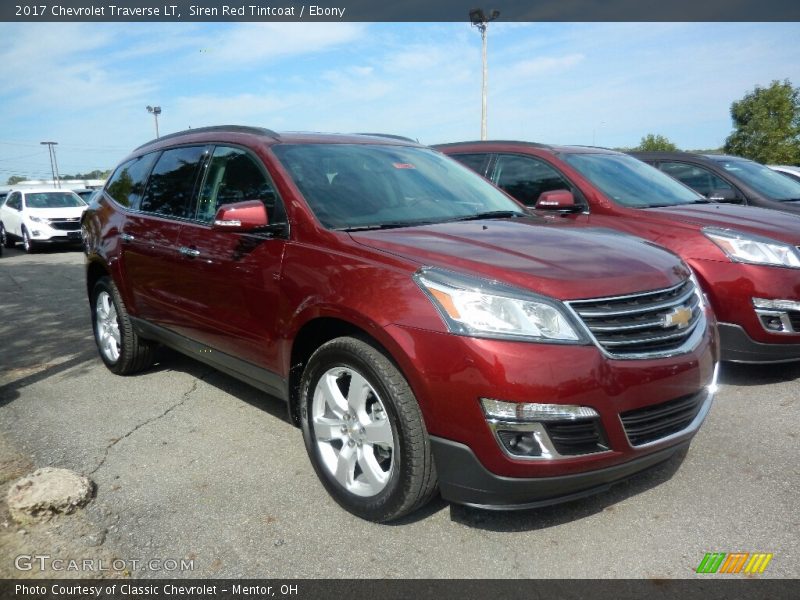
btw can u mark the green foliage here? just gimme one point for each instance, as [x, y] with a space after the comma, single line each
[767, 125]
[14, 179]
[96, 174]
[653, 142]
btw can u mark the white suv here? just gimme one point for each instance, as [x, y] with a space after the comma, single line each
[40, 216]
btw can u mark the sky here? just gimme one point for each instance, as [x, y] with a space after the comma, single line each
[86, 85]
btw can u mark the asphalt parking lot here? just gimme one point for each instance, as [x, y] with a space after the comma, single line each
[192, 464]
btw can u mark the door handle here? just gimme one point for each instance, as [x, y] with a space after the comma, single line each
[190, 252]
[126, 237]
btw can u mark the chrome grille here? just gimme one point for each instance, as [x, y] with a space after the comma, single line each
[642, 324]
[66, 224]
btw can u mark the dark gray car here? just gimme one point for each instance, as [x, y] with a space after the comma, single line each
[728, 179]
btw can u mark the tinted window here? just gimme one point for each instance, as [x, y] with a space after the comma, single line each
[171, 184]
[350, 185]
[53, 200]
[476, 162]
[126, 185]
[763, 179]
[631, 182]
[697, 178]
[15, 201]
[233, 175]
[527, 178]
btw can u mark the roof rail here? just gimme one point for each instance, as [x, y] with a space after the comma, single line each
[217, 128]
[521, 143]
[390, 136]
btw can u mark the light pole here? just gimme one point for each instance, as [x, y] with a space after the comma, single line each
[479, 19]
[155, 111]
[53, 163]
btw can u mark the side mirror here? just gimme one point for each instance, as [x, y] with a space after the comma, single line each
[556, 200]
[241, 216]
[724, 195]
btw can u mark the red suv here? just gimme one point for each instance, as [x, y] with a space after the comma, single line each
[747, 259]
[422, 328]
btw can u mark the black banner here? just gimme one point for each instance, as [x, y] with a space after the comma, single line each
[712, 588]
[401, 11]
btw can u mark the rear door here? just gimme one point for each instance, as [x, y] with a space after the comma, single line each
[161, 203]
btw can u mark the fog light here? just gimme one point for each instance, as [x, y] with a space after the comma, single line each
[773, 323]
[774, 314]
[36, 233]
[520, 443]
[529, 411]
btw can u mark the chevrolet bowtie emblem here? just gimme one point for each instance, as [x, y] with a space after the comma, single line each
[678, 317]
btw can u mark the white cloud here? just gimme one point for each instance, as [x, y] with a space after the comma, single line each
[544, 64]
[248, 44]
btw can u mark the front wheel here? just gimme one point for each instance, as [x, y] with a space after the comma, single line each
[364, 431]
[27, 242]
[121, 349]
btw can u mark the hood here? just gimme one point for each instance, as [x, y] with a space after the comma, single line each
[56, 213]
[762, 221]
[564, 262]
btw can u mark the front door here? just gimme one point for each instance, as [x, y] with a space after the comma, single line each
[228, 281]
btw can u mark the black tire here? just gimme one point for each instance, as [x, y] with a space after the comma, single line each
[134, 354]
[5, 239]
[27, 243]
[412, 478]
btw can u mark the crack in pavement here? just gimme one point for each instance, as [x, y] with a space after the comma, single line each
[150, 420]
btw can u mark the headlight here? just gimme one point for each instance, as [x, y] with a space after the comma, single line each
[748, 248]
[37, 219]
[476, 307]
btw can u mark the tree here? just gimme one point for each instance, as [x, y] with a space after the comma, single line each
[767, 125]
[653, 142]
[14, 179]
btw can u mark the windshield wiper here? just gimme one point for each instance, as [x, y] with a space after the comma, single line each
[492, 214]
[387, 225]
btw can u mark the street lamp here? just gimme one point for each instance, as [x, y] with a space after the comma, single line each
[479, 19]
[155, 111]
[53, 163]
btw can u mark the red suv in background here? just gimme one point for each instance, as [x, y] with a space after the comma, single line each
[747, 259]
[422, 328]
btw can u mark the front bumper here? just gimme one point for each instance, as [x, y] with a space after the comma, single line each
[46, 235]
[464, 480]
[731, 289]
[738, 346]
[450, 375]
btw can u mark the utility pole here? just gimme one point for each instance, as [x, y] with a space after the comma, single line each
[53, 163]
[479, 19]
[155, 111]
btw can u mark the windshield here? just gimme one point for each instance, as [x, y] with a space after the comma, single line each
[360, 186]
[630, 182]
[53, 200]
[763, 179]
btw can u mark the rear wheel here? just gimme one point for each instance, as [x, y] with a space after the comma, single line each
[121, 349]
[5, 239]
[364, 431]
